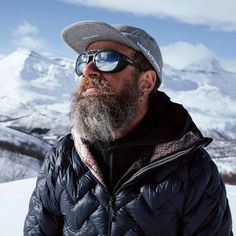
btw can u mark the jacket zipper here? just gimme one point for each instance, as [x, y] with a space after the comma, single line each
[141, 172]
[111, 206]
[158, 163]
[111, 214]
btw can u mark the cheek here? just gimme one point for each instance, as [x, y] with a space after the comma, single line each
[119, 81]
[116, 82]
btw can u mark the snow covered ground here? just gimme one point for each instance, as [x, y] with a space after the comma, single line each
[14, 204]
[15, 199]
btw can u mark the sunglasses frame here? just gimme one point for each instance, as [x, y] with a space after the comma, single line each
[123, 61]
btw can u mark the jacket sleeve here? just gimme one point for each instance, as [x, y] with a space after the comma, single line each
[206, 209]
[44, 217]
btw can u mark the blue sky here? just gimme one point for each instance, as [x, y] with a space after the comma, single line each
[186, 30]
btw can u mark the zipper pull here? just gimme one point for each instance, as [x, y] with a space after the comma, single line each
[112, 212]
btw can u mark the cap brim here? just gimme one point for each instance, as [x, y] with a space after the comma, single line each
[81, 34]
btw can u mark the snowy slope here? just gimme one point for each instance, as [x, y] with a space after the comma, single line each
[208, 91]
[15, 199]
[35, 91]
[20, 154]
[19, 138]
[33, 78]
[14, 204]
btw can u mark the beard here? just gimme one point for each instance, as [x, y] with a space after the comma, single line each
[101, 115]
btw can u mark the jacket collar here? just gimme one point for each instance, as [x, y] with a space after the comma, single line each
[167, 126]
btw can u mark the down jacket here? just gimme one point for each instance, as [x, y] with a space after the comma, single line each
[179, 192]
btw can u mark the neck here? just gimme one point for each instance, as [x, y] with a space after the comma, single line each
[141, 111]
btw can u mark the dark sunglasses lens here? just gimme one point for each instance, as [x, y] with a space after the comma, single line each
[81, 63]
[106, 61]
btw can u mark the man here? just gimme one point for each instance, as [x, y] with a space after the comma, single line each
[135, 162]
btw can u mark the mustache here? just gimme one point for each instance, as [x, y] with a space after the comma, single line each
[93, 82]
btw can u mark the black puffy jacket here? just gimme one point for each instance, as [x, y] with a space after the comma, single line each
[179, 192]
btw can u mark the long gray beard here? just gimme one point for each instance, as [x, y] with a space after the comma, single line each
[101, 116]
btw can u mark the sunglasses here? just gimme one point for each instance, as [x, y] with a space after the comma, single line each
[104, 61]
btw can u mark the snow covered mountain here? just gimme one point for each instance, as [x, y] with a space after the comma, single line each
[35, 95]
[208, 91]
[34, 99]
[35, 92]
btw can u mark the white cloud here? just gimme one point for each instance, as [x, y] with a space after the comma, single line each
[27, 35]
[26, 28]
[1, 56]
[30, 43]
[218, 15]
[181, 54]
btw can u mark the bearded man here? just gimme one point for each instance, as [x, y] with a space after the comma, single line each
[134, 163]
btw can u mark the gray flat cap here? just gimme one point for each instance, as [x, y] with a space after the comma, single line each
[81, 34]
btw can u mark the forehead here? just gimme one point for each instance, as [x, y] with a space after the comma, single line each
[104, 44]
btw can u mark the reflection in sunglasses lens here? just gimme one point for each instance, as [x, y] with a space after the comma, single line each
[106, 61]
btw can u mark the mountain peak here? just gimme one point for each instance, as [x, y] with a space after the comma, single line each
[208, 65]
[32, 77]
[19, 55]
[31, 54]
[23, 50]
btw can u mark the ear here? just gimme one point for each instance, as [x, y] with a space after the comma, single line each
[147, 81]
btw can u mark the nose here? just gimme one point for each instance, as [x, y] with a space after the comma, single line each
[90, 70]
